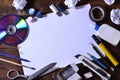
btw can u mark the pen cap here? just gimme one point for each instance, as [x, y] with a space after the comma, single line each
[97, 39]
[77, 55]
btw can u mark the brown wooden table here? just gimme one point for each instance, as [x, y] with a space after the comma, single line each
[43, 6]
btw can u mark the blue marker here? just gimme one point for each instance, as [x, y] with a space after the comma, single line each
[97, 61]
[13, 57]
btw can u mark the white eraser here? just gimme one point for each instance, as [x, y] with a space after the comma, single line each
[88, 75]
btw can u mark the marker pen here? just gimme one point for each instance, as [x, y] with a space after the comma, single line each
[105, 50]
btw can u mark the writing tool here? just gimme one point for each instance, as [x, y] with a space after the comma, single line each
[13, 57]
[17, 64]
[106, 61]
[95, 68]
[97, 50]
[97, 61]
[105, 50]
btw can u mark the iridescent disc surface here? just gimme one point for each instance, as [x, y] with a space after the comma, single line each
[13, 29]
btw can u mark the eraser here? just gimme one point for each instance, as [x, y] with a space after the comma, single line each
[88, 75]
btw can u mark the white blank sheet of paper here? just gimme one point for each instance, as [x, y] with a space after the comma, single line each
[58, 39]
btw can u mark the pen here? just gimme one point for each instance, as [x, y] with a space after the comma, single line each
[105, 50]
[97, 50]
[95, 68]
[13, 57]
[106, 61]
[97, 61]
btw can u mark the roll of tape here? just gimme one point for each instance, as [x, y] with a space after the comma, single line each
[97, 13]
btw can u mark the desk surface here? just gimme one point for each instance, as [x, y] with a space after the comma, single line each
[42, 5]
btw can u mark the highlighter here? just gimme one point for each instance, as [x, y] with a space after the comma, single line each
[105, 50]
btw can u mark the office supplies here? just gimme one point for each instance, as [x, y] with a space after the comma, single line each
[60, 7]
[54, 38]
[97, 50]
[41, 71]
[109, 2]
[88, 75]
[95, 68]
[31, 11]
[97, 61]
[105, 50]
[17, 74]
[49, 71]
[71, 3]
[39, 14]
[19, 4]
[115, 16]
[54, 9]
[17, 64]
[31, 77]
[99, 11]
[69, 73]
[106, 61]
[13, 29]
[13, 57]
[109, 34]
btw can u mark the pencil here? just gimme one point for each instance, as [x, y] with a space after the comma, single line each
[107, 63]
[97, 50]
[17, 64]
[97, 61]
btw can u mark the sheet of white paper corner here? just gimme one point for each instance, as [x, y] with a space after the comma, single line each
[58, 39]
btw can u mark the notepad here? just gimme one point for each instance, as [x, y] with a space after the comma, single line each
[58, 39]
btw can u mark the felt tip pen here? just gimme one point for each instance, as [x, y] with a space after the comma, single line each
[105, 50]
[13, 57]
[97, 61]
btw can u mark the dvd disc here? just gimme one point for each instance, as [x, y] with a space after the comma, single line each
[13, 29]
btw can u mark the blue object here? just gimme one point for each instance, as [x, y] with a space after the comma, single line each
[97, 61]
[31, 11]
[38, 14]
[97, 27]
[13, 57]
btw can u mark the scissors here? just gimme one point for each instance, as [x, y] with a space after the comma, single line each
[14, 74]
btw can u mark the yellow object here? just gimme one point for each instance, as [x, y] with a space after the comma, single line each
[108, 54]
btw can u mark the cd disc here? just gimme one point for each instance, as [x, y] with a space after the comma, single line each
[13, 29]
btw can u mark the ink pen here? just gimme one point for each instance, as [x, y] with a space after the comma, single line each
[105, 50]
[106, 61]
[97, 61]
[95, 68]
[97, 50]
[13, 57]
